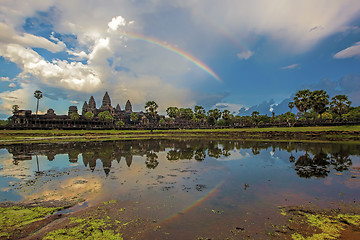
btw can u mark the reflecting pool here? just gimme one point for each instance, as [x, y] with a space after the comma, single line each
[205, 186]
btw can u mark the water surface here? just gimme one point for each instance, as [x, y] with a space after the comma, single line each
[203, 186]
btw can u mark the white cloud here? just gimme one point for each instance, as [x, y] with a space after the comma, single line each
[12, 85]
[140, 69]
[292, 66]
[116, 22]
[349, 52]
[20, 97]
[232, 107]
[4, 79]
[287, 23]
[9, 36]
[73, 75]
[246, 54]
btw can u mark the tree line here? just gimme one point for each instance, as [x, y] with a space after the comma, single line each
[313, 107]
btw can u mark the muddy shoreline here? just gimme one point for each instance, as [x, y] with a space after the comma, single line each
[280, 134]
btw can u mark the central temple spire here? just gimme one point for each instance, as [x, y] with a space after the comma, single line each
[106, 100]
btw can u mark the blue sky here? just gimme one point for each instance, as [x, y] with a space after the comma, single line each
[263, 51]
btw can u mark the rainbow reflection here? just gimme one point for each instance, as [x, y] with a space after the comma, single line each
[197, 203]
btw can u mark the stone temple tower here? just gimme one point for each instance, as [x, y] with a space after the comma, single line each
[106, 104]
[85, 108]
[128, 107]
[92, 105]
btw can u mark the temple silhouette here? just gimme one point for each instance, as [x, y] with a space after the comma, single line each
[25, 119]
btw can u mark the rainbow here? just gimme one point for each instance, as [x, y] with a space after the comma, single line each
[176, 50]
[196, 203]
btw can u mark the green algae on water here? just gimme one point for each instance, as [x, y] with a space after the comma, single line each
[84, 228]
[13, 219]
[330, 226]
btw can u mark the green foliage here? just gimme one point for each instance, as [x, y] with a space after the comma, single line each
[81, 228]
[151, 108]
[134, 117]
[291, 105]
[120, 123]
[89, 115]
[319, 101]
[74, 116]
[221, 122]
[15, 108]
[210, 120]
[326, 116]
[162, 121]
[105, 116]
[214, 113]
[302, 100]
[15, 218]
[172, 112]
[199, 112]
[38, 95]
[330, 226]
[4, 122]
[186, 113]
[287, 117]
[352, 115]
[340, 105]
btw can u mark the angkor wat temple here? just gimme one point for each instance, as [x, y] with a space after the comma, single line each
[25, 119]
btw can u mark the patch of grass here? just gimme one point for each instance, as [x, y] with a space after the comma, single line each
[327, 226]
[15, 218]
[328, 133]
[84, 228]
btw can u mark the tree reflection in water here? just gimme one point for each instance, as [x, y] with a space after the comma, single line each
[319, 165]
[317, 161]
[151, 160]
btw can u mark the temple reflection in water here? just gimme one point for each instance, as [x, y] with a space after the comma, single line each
[312, 160]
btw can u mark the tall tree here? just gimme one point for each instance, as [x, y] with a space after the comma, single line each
[186, 113]
[89, 115]
[134, 117]
[319, 101]
[215, 113]
[291, 105]
[74, 116]
[302, 100]
[227, 116]
[254, 116]
[38, 95]
[172, 112]
[105, 116]
[15, 108]
[151, 109]
[199, 113]
[340, 105]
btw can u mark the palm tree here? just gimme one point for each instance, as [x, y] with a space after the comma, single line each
[38, 95]
[340, 105]
[151, 110]
[291, 105]
[319, 101]
[302, 100]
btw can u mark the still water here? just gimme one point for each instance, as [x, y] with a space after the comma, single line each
[200, 184]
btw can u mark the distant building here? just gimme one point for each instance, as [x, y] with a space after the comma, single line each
[23, 119]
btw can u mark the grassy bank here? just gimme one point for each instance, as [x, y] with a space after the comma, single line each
[328, 133]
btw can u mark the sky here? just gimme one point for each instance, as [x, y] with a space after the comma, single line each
[231, 54]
